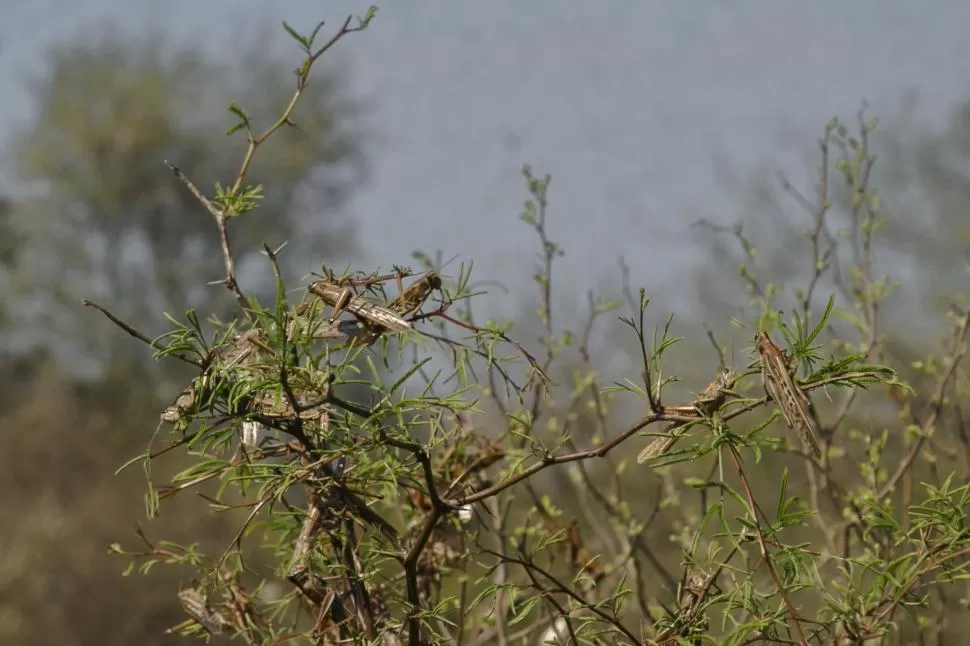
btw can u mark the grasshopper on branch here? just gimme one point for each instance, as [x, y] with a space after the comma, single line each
[251, 348]
[707, 402]
[196, 606]
[411, 299]
[246, 349]
[388, 317]
[343, 299]
[780, 385]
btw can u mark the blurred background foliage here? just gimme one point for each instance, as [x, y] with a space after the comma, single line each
[101, 214]
[921, 176]
[100, 217]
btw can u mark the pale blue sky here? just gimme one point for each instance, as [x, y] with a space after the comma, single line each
[625, 103]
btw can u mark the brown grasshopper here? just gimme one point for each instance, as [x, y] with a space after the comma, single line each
[780, 385]
[381, 318]
[195, 605]
[343, 299]
[245, 349]
[707, 401]
[411, 299]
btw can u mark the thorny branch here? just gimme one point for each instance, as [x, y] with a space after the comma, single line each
[222, 220]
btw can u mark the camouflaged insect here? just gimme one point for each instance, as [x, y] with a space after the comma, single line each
[343, 299]
[780, 385]
[195, 605]
[390, 316]
[707, 401]
[245, 349]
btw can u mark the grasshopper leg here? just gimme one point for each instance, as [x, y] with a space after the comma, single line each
[341, 303]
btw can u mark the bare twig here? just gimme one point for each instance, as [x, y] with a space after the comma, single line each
[221, 220]
[138, 335]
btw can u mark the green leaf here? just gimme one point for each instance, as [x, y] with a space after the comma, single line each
[313, 35]
[235, 128]
[364, 22]
[822, 322]
[297, 37]
[239, 112]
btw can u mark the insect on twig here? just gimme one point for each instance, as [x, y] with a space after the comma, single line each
[343, 299]
[195, 605]
[375, 319]
[780, 385]
[245, 349]
[707, 401]
[411, 299]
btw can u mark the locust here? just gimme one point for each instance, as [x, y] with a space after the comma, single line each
[252, 347]
[388, 317]
[377, 318]
[707, 401]
[343, 299]
[780, 385]
[246, 349]
[411, 299]
[195, 605]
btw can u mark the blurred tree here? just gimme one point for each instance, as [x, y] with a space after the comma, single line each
[922, 179]
[99, 215]
[8, 244]
[924, 175]
[95, 213]
[64, 440]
